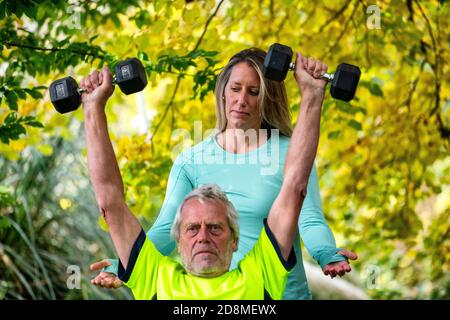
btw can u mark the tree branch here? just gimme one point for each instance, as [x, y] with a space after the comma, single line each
[427, 21]
[335, 16]
[179, 77]
[26, 46]
[166, 110]
[344, 30]
[445, 132]
[206, 25]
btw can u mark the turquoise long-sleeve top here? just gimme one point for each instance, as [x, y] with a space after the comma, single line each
[251, 181]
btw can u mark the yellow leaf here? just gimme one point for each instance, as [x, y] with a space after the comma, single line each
[17, 145]
[45, 149]
[65, 203]
[102, 223]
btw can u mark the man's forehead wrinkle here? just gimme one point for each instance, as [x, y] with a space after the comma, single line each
[212, 222]
[192, 210]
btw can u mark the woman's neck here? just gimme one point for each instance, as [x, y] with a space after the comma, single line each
[242, 141]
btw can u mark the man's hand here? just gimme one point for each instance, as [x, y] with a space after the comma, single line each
[105, 279]
[307, 74]
[98, 88]
[341, 267]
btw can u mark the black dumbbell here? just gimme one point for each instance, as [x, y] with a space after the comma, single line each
[343, 82]
[129, 76]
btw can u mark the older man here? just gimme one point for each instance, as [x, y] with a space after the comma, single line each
[206, 232]
[205, 228]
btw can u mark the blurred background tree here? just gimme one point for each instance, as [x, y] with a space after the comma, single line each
[383, 160]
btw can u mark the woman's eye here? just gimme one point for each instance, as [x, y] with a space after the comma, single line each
[254, 93]
[235, 89]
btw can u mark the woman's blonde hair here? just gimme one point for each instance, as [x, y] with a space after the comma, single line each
[272, 98]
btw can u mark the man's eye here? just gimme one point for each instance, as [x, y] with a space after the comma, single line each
[215, 228]
[192, 229]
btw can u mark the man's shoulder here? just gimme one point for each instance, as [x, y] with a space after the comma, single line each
[258, 247]
[161, 261]
[267, 245]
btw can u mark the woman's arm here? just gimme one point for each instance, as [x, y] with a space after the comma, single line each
[180, 183]
[317, 236]
[315, 233]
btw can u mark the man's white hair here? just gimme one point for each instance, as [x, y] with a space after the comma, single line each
[208, 192]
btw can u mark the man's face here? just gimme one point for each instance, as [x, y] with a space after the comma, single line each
[206, 242]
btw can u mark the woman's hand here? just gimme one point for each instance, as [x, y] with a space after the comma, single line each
[307, 74]
[105, 279]
[341, 267]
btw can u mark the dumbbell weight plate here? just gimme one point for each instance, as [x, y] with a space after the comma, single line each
[345, 82]
[130, 76]
[276, 62]
[64, 94]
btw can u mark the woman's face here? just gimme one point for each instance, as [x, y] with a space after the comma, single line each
[241, 98]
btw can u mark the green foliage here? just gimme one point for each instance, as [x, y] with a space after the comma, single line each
[47, 223]
[204, 79]
[13, 126]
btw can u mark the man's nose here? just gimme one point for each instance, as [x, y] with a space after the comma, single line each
[203, 234]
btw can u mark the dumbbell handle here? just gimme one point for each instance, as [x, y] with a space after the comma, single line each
[326, 76]
[81, 90]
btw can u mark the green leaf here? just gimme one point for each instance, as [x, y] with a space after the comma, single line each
[21, 93]
[91, 39]
[374, 86]
[35, 124]
[30, 121]
[11, 100]
[360, 109]
[115, 20]
[344, 106]
[6, 198]
[34, 93]
[11, 132]
[334, 134]
[142, 56]
[11, 118]
[2, 10]
[355, 124]
[211, 62]
[19, 9]
[30, 11]
[375, 89]
[4, 223]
